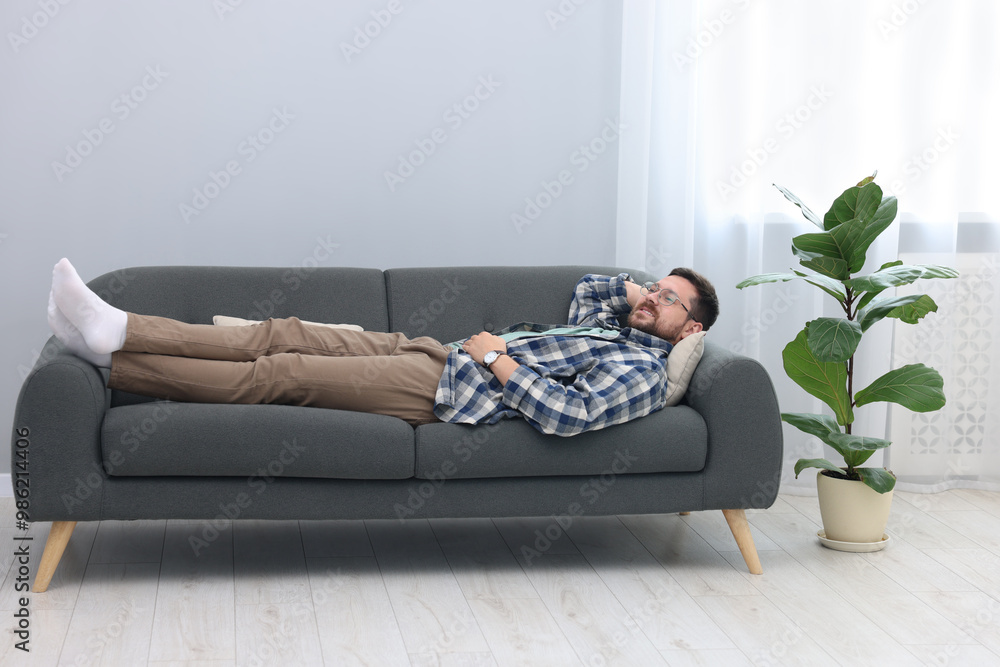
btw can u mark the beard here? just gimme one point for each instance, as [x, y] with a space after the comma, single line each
[667, 333]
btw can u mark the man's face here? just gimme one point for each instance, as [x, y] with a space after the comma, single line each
[670, 323]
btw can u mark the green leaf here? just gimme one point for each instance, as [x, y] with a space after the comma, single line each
[828, 266]
[880, 308]
[866, 299]
[810, 216]
[819, 244]
[833, 338]
[811, 423]
[856, 449]
[850, 238]
[856, 202]
[900, 274]
[826, 381]
[802, 464]
[765, 278]
[911, 313]
[834, 288]
[879, 479]
[914, 386]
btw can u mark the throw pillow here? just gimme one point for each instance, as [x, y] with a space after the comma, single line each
[225, 321]
[681, 362]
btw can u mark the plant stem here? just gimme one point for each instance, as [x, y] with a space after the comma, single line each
[849, 301]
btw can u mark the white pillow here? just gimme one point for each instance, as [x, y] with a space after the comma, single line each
[225, 321]
[681, 362]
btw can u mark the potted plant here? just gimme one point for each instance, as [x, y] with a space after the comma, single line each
[854, 500]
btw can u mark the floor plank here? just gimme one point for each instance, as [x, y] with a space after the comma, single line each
[355, 620]
[658, 589]
[431, 610]
[269, 563]
[480, 560]
[195, 616]
[594, 622]
[689, 559]
[656, 602]
[113, 616]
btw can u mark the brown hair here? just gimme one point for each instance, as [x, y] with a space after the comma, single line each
[705, 308]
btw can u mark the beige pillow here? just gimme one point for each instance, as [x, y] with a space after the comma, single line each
[681, 362]
[225, 321]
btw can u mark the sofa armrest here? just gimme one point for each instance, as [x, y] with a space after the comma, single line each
[59, 413]
[735, 396]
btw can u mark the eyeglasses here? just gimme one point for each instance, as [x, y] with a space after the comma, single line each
[667, 297]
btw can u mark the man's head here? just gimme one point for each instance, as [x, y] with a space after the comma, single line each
[693, 306]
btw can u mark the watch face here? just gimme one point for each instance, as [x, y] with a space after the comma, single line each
[490, 357]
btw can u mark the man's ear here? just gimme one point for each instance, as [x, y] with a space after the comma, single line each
[690, 327]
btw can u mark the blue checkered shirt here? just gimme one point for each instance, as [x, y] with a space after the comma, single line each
[565, 385]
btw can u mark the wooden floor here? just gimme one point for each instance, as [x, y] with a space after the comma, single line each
[628, 590]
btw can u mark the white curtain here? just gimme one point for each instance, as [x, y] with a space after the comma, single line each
[723, 98]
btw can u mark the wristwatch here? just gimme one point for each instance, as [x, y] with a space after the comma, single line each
[492, 356]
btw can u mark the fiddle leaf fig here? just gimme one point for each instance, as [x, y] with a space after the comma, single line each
[821, 357]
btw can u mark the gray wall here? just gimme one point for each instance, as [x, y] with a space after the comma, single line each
[115, 113]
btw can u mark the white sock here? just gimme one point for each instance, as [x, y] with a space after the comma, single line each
[101, 324]
[72, 338]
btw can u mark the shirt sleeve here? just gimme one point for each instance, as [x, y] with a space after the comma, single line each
[607, 393]
[599, 300]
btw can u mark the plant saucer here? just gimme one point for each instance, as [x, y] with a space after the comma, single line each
[855, 547]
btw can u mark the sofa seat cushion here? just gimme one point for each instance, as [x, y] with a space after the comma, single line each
[671, 440]
[255, 441]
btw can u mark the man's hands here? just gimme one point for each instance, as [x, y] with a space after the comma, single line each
[477, 347]
[481, 343]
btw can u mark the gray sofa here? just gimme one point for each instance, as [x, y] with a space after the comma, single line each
[99, 454]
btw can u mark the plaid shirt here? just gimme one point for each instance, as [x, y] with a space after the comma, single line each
[565, 385]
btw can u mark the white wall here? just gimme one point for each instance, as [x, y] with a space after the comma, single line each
[156, 96]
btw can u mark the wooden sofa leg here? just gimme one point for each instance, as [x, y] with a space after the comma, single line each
[54, 548]
[737, 520]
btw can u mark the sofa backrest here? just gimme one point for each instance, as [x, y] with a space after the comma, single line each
[196, 293]
[452, 303]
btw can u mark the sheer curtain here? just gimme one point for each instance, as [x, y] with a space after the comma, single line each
[721, 99]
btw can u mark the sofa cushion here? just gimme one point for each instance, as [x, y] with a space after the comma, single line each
[670, 440]
[258, 441]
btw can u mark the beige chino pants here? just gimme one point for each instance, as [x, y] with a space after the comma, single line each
[280, 361]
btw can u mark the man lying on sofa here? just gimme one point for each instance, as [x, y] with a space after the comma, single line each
[563, 380]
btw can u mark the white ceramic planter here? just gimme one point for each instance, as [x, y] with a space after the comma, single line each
[852, 511]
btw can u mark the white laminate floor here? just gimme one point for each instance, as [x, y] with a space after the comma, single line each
[627, 590]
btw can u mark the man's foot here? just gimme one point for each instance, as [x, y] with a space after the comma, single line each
[101, 325]
[72, 338]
